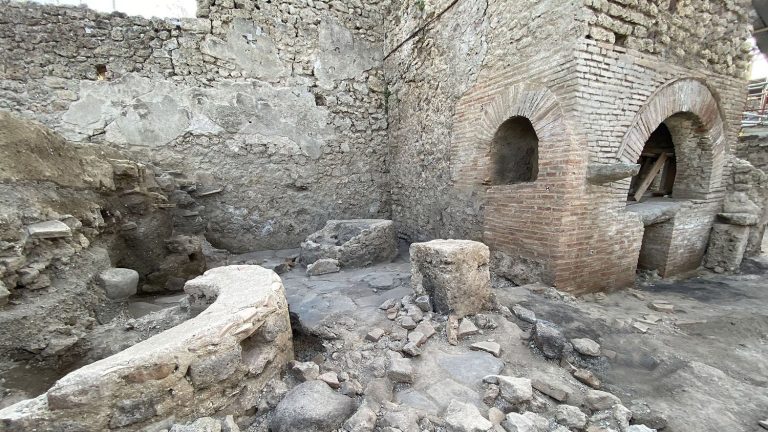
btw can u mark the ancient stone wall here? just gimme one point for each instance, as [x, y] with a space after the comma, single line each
[690, 33]
[279, 104]
[215, 363]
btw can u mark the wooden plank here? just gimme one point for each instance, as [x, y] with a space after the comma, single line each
[651, 175]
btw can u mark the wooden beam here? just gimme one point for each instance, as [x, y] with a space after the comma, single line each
[651, 175]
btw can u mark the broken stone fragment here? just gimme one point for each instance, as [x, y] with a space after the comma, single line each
[374, 335]
[323, 266]
[426, 329]
[642, 328]
[552, 387]
[599, 400]
[660, 306]
[495, 415]
[489, 347]
[464, 417]
[331, 379]
[467, 328]
[388, 304]
[515, 390]
[524, 314]
[49, 230]
[354, 243]
[490, 395]
[643, 414]
[311, 406]
[363, 420]
[412, 349]
[423, 303]
[417, 338]
[570, 416]
[528, 422]
[407, 323]
[586, 347]
[119, 283]
[548, 338]
[400, 369]
[305, 371]
[587, 377]
[454, 273]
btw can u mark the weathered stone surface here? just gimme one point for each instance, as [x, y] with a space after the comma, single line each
[587, 377]
[524, 313]
[464, 417]
[601, 173]
[489, 347]
[241, 340]
[586, 346]
[515, 390]
[570, 416]
[323, 266]
[515, 422]
[454, 273]
[743, 219]
[599, 400]
[311, 407]
[353, 243]
[552, 387]
[400, 369]
[727, 244]
[119, 283]
[467, 328]
[363, 420]
[549, 338]
[49, 230]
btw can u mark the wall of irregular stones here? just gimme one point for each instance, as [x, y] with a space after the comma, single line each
[279, 104]
[690, 33]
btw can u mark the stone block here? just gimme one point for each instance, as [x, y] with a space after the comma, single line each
[727, 244]
[454, 273]
[353, 243]
[49, 230]
[119, 283]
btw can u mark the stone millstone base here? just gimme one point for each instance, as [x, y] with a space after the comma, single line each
[454, 273]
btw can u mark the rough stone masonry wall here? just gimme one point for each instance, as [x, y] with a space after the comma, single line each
[280, 103]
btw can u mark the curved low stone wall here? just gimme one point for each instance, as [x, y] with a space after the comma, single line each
[215, 363]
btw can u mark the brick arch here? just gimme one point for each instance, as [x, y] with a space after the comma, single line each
[471, 147]
[684, 96]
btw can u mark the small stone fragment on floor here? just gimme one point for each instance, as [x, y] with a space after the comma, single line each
[587, 377]
[570, 416]
[487, 346]
[400, 369]
[407, 322]
[412, 349]
[423, 303]
[548, 337]
[640, 428]
[363, 420]
[388, 304]
[323, 266]
[305, 371]
[552, 388]
[467, 328]
[515, 390]
[331, 379]
[425, 328]
[464, 417]
[763, 423]
[586, 347]
[599, 400]
[642, 328]
[375, 334]
[524, 313]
